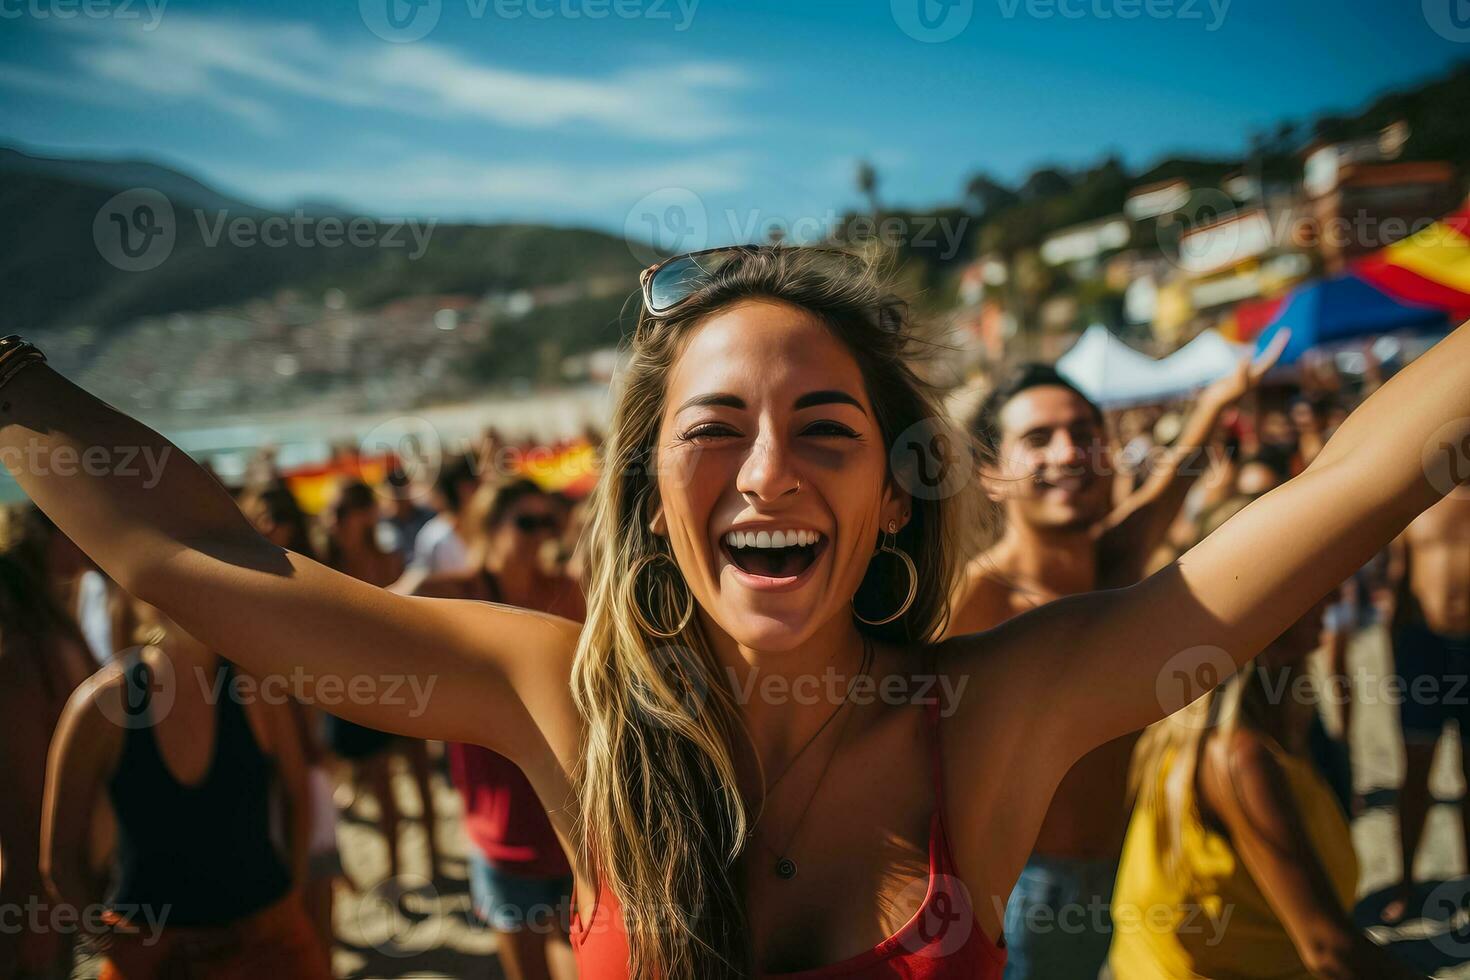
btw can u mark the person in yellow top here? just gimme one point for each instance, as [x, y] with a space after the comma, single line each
[1238, 863]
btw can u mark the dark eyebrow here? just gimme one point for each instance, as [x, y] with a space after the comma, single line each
[808, 400]
[718, 399]
[828, 397]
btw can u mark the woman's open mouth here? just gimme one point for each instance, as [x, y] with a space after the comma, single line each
[777, 556]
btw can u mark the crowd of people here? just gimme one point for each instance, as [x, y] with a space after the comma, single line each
[631, 807]
[179, 808]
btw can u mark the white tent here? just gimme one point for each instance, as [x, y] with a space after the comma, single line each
[1115, 375]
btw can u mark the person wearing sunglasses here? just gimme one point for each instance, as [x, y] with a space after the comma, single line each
[520, 881]
[753, 754]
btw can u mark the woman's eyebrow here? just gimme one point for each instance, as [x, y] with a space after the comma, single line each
[828, 396]
[718, 399]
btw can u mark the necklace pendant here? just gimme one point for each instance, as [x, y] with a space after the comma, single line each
[785, 869]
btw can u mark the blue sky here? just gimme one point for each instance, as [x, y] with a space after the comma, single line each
[752, 110]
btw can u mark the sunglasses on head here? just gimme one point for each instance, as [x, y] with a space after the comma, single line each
[531, 523]
[667, 284]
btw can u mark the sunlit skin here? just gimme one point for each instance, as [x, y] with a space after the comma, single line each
[764, 396]
[1050, 468]
[505, 674]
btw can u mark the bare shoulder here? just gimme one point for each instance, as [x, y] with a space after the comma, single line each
[447, 585]
[97, 713]
[532, 650]
[1240, 774]
[1450, 517]
[490, 626]
[985, 674]
[982, 599]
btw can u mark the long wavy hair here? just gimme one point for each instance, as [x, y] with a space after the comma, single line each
[662, 821]
[29, 609]
[1166, 761]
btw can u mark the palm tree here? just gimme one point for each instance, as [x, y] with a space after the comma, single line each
[867, 182]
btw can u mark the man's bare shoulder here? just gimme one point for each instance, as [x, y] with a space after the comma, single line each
[1450, 518]
[984, 598]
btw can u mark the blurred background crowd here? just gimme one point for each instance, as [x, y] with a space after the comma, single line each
[422, 409]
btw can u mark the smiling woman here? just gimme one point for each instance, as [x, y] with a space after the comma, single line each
[769, 393]
[749, 449]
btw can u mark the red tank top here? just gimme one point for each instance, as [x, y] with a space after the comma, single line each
[941, 941]
[502, 816]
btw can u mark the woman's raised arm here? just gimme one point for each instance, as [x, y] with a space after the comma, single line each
[168, 533]
[1116, 661]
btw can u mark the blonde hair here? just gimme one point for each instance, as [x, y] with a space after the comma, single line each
[662, 820]
[1166, 761]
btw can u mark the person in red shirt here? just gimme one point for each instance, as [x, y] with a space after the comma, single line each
[520, 881]
[775, 501]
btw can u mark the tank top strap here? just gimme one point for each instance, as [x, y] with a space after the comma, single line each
[941, 858]
[234, 738]
[936, 749]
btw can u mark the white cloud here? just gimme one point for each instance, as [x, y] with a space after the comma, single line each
[250, 69]
[452, 187]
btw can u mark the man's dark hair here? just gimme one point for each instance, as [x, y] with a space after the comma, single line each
[985, 426]
[458, 471]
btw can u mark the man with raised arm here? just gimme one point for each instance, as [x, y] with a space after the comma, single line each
[1430, 570]
[1047, 465]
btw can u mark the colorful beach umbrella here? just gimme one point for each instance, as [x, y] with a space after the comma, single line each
[1342, 308]
[1421, 283]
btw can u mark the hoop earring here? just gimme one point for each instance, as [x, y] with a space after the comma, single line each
[888, 546]
[644, 620]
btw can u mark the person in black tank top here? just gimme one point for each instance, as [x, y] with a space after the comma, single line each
[164, 740]
[43, 658]
[520, 883]
[169, 833]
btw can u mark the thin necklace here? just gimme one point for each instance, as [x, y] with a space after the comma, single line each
[785, 868]
[791, 762]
